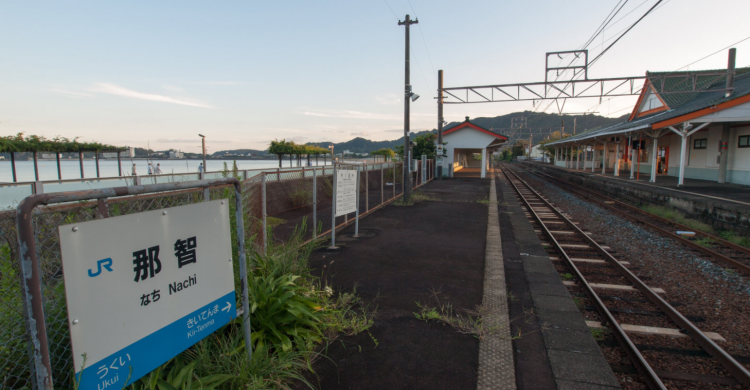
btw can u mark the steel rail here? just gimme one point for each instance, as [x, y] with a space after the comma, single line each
[652, 379]
[737, 370]
[740, 266]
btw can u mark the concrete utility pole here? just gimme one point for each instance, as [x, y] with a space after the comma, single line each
[440, 121]
[574, 125]
[407, 96]
[203, 141]
[726, 130]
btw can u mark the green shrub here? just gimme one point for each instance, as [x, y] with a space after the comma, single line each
[283, 313]
[301, 197]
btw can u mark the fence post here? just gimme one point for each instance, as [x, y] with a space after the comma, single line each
[382, 185]
[356, 214]
[265, 219]
[333, 209]
[315, 202]
[394, 180]
[367, 190]
[240, 222]
[33, 304]
[278, 174]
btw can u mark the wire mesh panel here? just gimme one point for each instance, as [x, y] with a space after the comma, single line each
[15, 342]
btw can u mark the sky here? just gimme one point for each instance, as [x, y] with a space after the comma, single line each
[143, 73]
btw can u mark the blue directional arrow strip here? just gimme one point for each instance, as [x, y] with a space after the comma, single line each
[150, 352]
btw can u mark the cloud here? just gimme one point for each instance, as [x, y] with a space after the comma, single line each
[172, 88]
[394, 131]
[72, 93]
[113, 89]
[388, 99]
[299, 139]
[347, 114]
[361, 133]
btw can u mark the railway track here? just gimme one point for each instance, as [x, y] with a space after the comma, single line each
[594, 269]
[726, 252]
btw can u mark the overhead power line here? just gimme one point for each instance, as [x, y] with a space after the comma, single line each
[623, 34]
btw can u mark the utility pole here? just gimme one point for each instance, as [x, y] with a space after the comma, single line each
[563, 127]
[574, 125]
[440, 122]
[203, 141]
[407, 96]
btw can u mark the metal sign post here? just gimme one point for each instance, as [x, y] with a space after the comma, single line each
[333, 208]
[315, 203]
[356, 213]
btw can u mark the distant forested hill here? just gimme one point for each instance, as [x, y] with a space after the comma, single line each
[501, 124]
[498, 124]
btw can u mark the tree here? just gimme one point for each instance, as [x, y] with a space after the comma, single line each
[280, 148]
[387, 153]
[519, 149]
[555, 136]
[425, 144]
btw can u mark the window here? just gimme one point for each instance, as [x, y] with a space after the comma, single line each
[744, 141]
[700, 143]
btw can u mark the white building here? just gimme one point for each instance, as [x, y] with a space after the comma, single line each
[176, 154]
[468, 147]
[697, 126]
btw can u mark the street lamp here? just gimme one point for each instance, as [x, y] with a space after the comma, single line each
[332, 155]
[203, 142]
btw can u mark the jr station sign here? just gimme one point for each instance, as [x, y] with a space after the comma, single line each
[141, 288]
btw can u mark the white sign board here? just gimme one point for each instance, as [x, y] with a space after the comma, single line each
[141, 288]
[346, 192]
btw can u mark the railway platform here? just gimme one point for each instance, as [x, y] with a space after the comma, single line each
[468, 245]
[724, 206]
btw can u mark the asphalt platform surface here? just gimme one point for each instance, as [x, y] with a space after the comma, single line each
[431, 251]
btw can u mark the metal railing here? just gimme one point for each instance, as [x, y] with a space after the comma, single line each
[12, 193]
[35, 350]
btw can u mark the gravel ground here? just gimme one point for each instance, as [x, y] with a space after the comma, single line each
[699, 287]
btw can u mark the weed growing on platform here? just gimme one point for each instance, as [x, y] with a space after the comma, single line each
[470, 323]
[567, 276]
[416, 197]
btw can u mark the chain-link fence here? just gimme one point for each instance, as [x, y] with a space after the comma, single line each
[287, 201]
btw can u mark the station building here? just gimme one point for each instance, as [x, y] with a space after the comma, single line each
[700, 129]
[468, 148]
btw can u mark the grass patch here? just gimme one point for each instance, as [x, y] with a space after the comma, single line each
[416, 197]
[579, 302]
[567, 276]
[705, 242]
[599, 333]
[469, 322]
[674, 215]
[735, 239]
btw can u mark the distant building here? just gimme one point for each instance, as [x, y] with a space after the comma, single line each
[176, 154]
[466, 141]
[48, 155]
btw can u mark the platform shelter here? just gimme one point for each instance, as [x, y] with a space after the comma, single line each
[468, 147]
[699, 130]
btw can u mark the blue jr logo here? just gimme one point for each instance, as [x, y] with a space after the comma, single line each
[106, 263]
